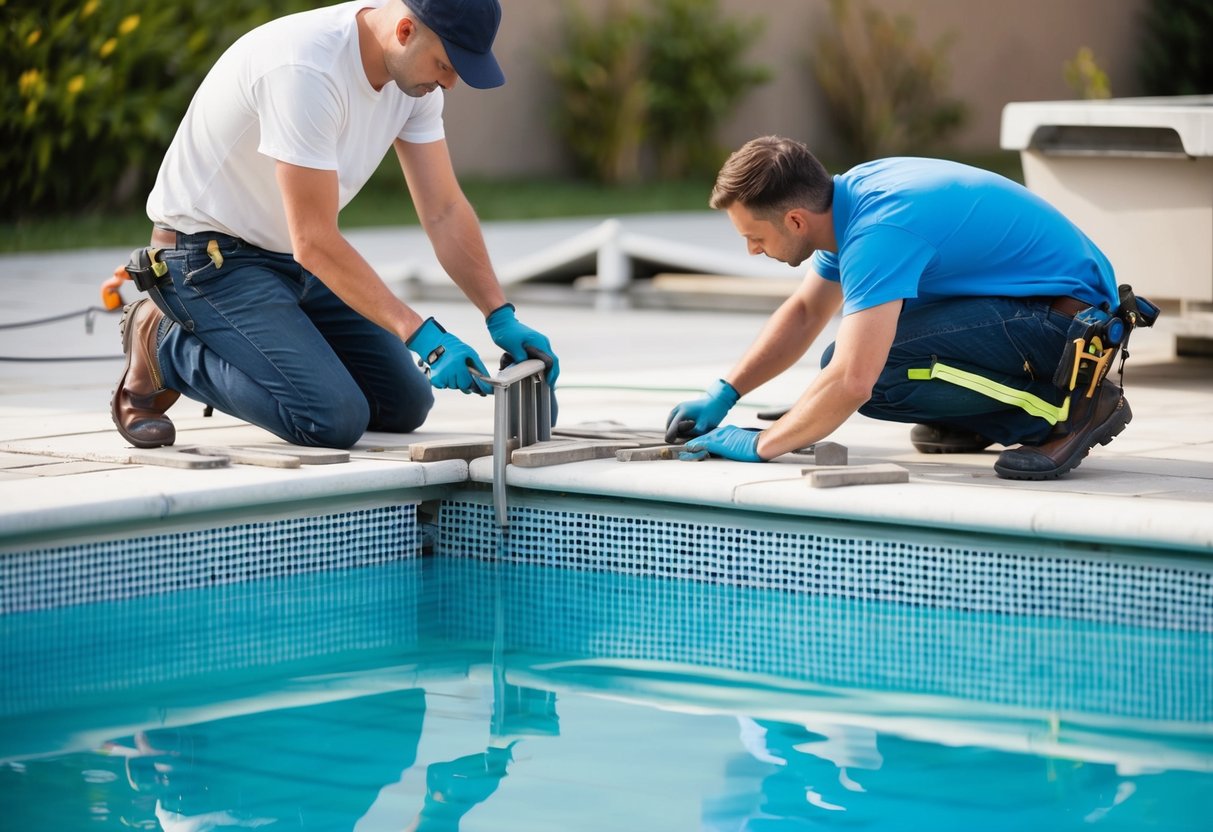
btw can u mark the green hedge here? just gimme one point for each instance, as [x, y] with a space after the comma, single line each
[650, 78]
[1177, 47]
[94, 89]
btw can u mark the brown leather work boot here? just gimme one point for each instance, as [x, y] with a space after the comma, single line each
[140, 400]
[1093, 421]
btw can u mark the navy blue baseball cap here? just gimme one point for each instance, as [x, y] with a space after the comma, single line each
[467, 29]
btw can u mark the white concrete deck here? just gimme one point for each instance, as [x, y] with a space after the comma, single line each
[63, 469]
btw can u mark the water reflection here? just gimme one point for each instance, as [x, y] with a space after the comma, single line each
[791, 776]
[351, 764]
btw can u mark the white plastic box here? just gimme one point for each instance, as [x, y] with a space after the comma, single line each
[1135, 174]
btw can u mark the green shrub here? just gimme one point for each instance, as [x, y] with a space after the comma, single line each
[697, 75]
[1177, 47]
[604, 95]
[657, 83]
[883, 90]
[93, 91]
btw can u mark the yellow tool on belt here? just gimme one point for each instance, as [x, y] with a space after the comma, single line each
[1100, 358]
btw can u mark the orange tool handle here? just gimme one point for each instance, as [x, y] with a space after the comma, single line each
[111, 295]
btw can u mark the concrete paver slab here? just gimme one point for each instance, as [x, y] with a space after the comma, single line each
[67, 469]
[15, 461]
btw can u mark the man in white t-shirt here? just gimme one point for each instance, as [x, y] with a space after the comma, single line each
[258, 305]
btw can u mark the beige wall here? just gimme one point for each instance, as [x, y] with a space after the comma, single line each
[1004, 50]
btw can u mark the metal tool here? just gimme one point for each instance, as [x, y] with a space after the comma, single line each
[522, 410]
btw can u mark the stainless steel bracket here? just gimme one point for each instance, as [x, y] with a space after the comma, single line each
[522, 411]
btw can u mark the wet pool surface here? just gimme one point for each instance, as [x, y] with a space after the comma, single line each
[447, 694]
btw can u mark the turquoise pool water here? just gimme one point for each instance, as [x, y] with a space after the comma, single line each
[447, 693]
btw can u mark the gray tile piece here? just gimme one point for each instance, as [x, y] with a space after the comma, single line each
[878, 474]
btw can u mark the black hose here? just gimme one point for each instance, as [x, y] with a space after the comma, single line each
[89, 315]
[64, 359]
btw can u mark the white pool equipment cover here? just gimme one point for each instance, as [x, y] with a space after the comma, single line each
[1136, 174]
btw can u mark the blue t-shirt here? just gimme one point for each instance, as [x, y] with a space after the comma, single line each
[924, 230]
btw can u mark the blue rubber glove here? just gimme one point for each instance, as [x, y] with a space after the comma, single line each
[454, 788]
[699, 416]
[447, 360]
[514, 338]
[730, 442]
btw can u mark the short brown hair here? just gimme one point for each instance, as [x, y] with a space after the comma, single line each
[773, 174]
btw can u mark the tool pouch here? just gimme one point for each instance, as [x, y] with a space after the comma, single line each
[1083, 345]
[146, 268]
[1065, 366]
[1095, 336]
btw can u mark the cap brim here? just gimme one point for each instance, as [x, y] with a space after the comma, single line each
[476, 69]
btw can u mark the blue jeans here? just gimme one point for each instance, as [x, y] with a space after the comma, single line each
[1015, 342]
[264, 340]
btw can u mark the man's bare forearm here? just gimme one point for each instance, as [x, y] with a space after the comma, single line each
[864, 339]
[340, 267]
[821, 410]
[785, 338]
[459, 245]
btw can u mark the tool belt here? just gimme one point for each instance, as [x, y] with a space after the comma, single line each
[1094, 338]
[162, 237]
[146, 268]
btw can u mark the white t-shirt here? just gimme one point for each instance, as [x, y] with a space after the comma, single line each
[292, 90]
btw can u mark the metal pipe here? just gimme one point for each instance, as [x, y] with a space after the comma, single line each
[516, 414]
[501, 452]
[543, 408]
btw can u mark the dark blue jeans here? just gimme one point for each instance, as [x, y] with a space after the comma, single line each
[1015, 342]
[264, 340]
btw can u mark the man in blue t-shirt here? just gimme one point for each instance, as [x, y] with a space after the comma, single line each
[958, 290]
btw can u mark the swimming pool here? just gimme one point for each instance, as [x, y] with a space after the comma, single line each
[610, 667]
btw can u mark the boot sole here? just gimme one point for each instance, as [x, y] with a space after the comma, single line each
[124, 331]
[1102, 435]
[945, 448]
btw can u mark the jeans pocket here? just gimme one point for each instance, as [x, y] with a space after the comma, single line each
[1039, 343]
[207, 264]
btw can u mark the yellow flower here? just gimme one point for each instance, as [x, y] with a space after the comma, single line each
[89, 8]
[129, 24]
[75, 85]
[29, 82]
[108, 47]
[33, 37]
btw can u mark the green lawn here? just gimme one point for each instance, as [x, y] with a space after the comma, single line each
[387, 203]
[384, 201]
